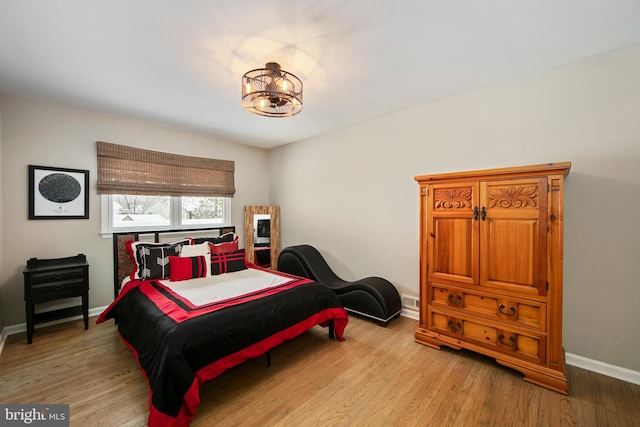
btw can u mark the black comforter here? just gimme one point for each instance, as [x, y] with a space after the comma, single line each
[179, 346]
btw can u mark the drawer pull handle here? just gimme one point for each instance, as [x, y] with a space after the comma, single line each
[58, 287]
[511, 343]
[512, 310]
[450, 326]
[58, 276]
[455, 299]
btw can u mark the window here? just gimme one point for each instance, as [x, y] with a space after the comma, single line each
[127, 212]
[181, 192]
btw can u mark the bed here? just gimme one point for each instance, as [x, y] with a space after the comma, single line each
[209, 314]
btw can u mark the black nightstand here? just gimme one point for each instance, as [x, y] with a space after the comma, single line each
[52, 279]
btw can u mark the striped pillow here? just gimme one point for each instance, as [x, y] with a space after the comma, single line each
[227, 262]
[185, 268]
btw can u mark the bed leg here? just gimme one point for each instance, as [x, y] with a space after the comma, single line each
[332, 333]
[268, 359]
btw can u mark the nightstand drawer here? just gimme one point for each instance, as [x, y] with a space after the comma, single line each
[60, 289]
[57, 276]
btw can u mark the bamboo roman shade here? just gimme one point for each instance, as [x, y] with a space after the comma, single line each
[129, 170]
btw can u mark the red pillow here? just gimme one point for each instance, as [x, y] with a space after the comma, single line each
[184, 268]
[225, 247]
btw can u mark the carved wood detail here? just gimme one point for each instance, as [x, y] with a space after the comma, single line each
[452, 198]
[491, 267]
[513, 196]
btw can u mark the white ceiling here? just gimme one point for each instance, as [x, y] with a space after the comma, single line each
[180, 62]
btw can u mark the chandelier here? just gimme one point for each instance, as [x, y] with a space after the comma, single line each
[271, 92]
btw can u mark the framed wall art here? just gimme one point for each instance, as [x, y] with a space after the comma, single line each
[58, 193]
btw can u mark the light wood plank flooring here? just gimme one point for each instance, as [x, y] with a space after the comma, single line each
[377, 377]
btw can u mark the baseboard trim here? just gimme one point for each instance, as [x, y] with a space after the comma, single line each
[411, 314]
[592, 365]
[22, 327]
[603, 368]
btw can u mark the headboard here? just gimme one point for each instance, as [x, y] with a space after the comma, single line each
[122, 264]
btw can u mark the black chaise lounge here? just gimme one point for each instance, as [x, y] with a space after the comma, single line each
[372, 297]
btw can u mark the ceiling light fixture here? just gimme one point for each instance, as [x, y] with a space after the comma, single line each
[271, 92]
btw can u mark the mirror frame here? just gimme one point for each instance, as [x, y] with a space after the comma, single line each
[274, 212]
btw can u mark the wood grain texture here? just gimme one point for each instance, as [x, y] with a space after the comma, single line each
[491, 240]
[377, 377]
[274, 235]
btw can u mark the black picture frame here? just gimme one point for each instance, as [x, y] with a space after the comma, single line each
[58, 193]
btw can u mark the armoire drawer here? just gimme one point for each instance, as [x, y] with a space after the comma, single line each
[516, 311]
[492, 335]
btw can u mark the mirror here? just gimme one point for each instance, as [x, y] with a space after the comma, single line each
[262, 235]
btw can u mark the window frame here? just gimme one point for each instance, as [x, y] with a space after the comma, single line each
[175, 221]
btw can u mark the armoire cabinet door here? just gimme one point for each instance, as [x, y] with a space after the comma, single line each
[513, 233]
[453, 232]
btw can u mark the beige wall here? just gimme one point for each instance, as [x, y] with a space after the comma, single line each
[351, 193]
[45, 134]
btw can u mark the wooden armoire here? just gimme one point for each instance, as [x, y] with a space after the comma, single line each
[491, 266]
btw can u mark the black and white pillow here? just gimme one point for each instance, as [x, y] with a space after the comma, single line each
[154, 262]
[151, 260]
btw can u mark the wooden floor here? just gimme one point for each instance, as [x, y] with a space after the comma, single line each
[377, 377]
